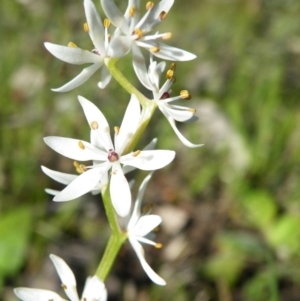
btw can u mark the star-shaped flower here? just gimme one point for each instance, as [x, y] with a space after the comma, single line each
[162, 96]
[66, 178]
[75, 55]
[94, 289]
[133, 32]
[138, 227]
[106, 156]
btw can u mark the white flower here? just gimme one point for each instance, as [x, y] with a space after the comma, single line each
[138, 227]
[74, 55]
[163, 99]
[94, 289]
[66, 178]
[132, 32]
[106, 156]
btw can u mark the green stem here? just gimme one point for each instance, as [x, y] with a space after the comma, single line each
[118, 237]
[124, 82]
[148, 106]
[116, 240]
[112, 249]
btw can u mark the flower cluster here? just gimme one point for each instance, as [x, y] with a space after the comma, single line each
[107, 161]
[130, 34]
[106, 156]
[94, 288]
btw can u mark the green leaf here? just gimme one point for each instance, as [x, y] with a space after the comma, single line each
[260, 208]
[15, 228]
[284, 234]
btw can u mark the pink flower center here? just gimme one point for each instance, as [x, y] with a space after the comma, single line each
[112, 156]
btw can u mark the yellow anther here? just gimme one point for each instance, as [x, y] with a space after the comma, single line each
[138, 32]
[156, 229]
[158, 246]
[64, 286]
[167, 36]
[81, 145]
[86, 27]
[170, 74]
[71, 44]
[136, 153]
[162, 15]
[184, 94]
[192, 110]
[94, 125]
[131, 11]
[117, 130]
[154, 49]
[149, 5]
[80, 168]
[106, 23]
[173, 66]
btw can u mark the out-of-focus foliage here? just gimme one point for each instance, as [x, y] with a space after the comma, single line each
[238, 196]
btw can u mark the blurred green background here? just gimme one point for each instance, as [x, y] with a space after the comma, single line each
[231, 209]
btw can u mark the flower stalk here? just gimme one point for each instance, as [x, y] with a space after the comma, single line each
[117, 238]
[148, 106]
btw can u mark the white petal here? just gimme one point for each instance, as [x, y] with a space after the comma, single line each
[156, 73]
[60, 177]
[172, 53]
[179, 135]
[139, 66]
[96, 29]
[115, 15]
[119, 46]
[82, 184]
[120, 191]
[180, 114]
[140, 254]
[154, 16]
[52, 191]
[167, 52]
[70, 148]
[150, 146]
[145, 225]
[105, 78]
[150, 159]
[66, 276]
[133, 19]
[94, 289]
[129, 124]
[136, 213]
[72, 55]
[81, 78]
[33, 294]
[93, 114]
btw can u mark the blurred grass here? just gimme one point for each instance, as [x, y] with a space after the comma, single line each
[246, 177]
